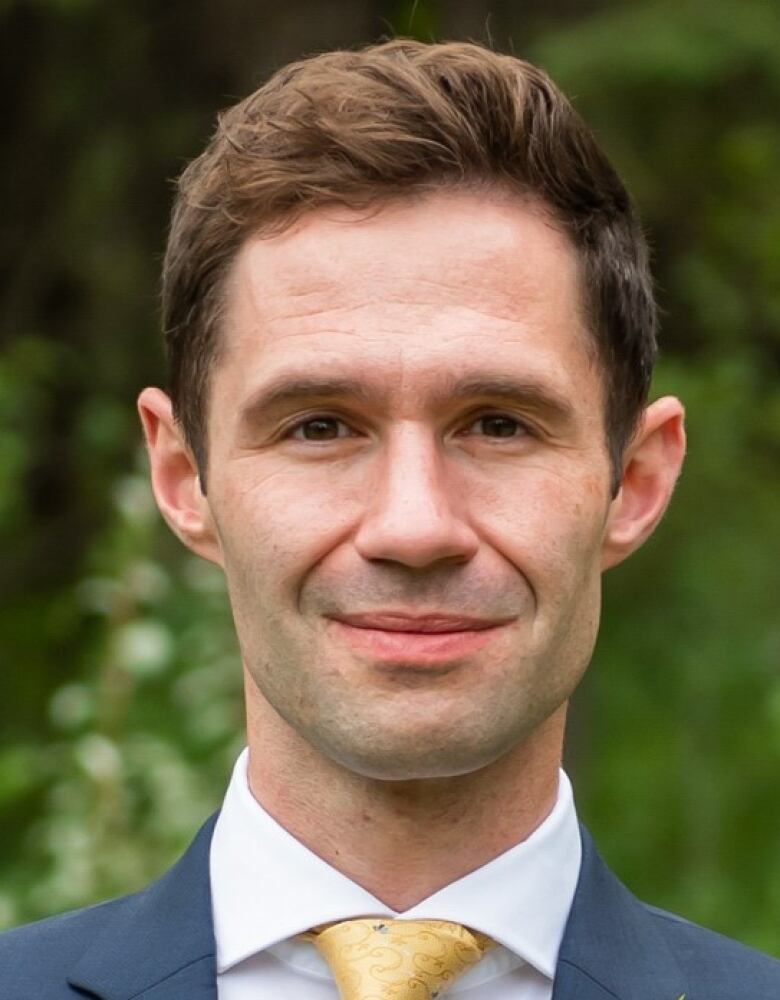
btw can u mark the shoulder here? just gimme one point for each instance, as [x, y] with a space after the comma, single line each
[720, 967]
[36, 959]
[635, 951]
[122, 947]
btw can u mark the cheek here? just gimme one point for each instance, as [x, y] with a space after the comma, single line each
[549, 527]
[274, 526]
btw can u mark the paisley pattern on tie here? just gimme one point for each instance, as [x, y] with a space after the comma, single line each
[374, 959]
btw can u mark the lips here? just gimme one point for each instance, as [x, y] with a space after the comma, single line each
[391, 621]
[393, 641]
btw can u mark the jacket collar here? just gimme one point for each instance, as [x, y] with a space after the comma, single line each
[159, 943]
[612, 948]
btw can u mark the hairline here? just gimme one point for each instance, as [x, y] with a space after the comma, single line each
[285, 223]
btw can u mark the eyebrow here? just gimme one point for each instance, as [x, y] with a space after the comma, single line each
[295, 389]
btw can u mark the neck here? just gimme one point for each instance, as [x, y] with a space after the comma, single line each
[402, 840]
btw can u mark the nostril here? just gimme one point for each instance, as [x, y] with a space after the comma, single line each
[414, 542]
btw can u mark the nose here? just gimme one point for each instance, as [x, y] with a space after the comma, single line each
[415, 514]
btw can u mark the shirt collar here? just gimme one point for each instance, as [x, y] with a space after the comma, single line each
[267, 886]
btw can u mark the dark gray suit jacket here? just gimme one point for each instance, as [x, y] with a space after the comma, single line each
[158, 944]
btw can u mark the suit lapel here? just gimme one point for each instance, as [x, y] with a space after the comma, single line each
[159, 943]
[612, 947]
[572, 983]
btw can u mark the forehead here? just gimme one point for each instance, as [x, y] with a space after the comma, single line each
[421, 288]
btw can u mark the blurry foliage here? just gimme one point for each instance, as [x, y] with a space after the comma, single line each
[120, 682]
[679, 754]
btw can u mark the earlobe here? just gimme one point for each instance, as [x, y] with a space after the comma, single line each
[652, 464]
[175, 479]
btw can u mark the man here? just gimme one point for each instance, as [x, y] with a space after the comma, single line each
[411, 332]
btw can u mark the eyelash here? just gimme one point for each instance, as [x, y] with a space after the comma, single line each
[290, 432]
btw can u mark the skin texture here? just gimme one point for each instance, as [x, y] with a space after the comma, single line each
[399, 494]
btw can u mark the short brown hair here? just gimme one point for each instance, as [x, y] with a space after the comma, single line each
[383, 122]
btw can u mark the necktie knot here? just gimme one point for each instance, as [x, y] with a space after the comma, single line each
[375, 959]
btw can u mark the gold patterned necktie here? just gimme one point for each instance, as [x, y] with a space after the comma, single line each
[374, 959]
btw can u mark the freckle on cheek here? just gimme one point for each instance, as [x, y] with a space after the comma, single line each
[592, 486]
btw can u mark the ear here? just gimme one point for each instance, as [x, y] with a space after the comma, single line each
[175, 479]
[650, 469]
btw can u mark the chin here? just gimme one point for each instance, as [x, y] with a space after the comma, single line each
[415, 759]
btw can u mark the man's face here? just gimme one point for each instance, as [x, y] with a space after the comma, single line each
[405, 434]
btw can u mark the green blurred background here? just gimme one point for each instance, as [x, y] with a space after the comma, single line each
[120, 700]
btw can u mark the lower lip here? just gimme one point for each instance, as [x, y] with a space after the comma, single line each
[423, 649]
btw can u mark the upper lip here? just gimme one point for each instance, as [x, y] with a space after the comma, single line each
[403, 621]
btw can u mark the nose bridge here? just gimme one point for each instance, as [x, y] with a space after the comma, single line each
[412, 468]
[415, 514]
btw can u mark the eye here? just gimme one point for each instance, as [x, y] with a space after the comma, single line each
[499, 425]
[320, 428]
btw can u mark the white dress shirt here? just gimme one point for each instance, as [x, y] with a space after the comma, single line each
[267, 887]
